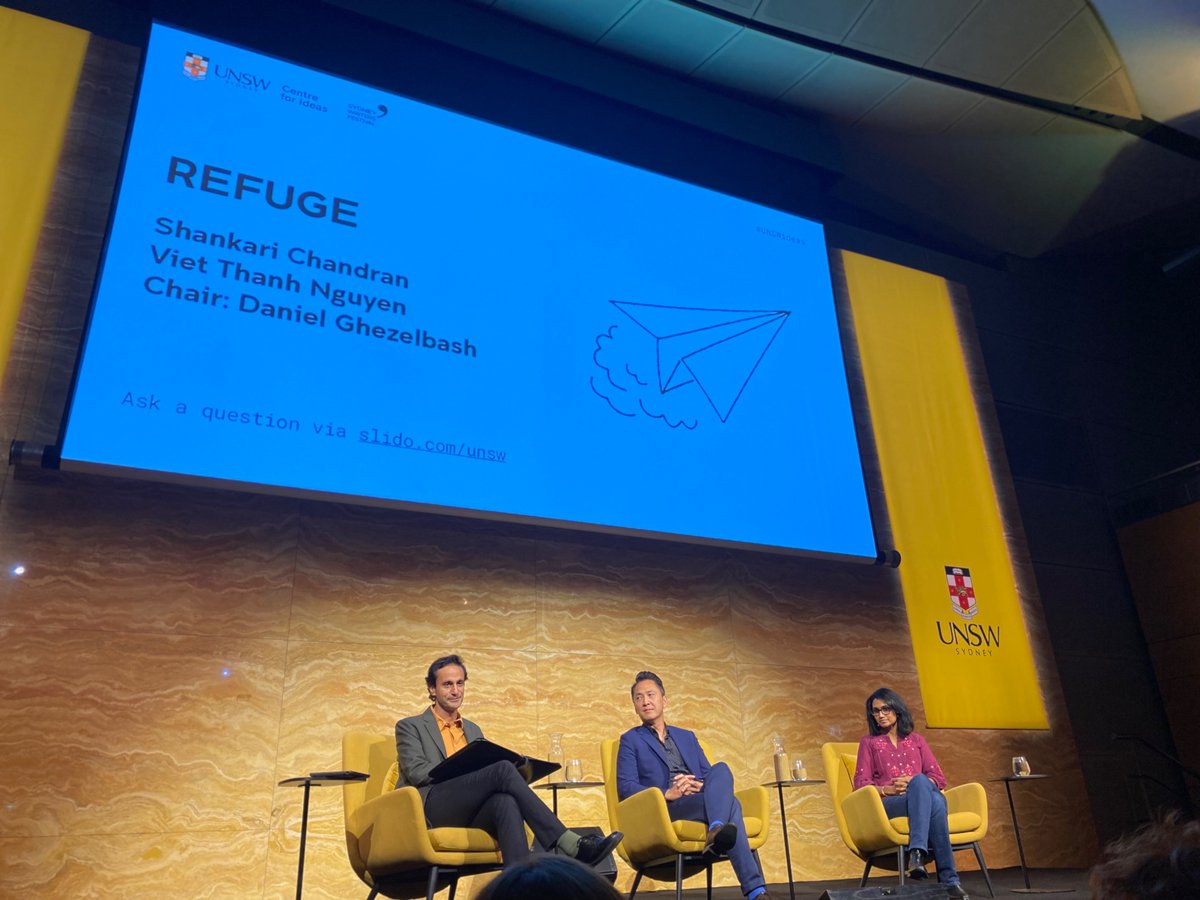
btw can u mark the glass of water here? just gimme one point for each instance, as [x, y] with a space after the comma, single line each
[574, 770]
[1020, 766]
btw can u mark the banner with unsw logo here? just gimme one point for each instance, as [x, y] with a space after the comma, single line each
[972, 650]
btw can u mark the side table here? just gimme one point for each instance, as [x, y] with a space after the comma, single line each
[1008, 781]
[555, 786]
[787, 845]
[318, 779]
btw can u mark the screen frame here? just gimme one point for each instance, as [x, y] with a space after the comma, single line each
[852, 376]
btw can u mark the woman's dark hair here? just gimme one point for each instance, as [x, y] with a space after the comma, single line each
[546, 877]
[904, 722]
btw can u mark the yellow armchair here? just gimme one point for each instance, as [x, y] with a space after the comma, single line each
[880, 841]
[390, 847]
[663, 850]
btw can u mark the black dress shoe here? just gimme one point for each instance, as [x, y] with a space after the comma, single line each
[956, 891]
[720, 838]
[594, 848]
[919, 873]
[917, 858]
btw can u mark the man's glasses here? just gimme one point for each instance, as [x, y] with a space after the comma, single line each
[882, 710]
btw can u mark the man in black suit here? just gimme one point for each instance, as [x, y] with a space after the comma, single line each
[494, 798]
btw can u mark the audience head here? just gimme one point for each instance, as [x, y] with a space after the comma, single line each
[1160, 861]
[904, 719]
[546, 877]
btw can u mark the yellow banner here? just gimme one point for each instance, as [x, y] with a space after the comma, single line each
[972, 650]
[40, 62]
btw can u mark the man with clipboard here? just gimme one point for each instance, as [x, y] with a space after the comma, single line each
[486, 787]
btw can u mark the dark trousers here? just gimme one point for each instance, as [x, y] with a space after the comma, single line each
[716, 803]
[496, 799]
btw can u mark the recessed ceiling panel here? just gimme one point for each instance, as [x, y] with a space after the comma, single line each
[919, 107]
[1158, 41]
[585, 19]
[742, 7]
[909, 32]
[828, 19]
[997, 118]
[999, 36]
[1114, 94]
[670, 35]
[843, 88]
[760, 64]
[1070, 64]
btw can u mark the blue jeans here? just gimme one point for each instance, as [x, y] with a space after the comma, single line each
[716, 803]
[928, 830]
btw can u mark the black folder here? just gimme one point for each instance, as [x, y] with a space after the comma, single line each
[482, 752]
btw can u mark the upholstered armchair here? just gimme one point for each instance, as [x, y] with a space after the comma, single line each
[880, 841]
[389, 845]
[663, 850]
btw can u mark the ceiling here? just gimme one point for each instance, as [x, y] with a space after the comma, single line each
[1020, 127]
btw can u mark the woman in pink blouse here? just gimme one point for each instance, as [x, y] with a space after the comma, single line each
[898, 762]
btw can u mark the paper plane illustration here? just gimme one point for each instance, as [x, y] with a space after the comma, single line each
[718, 350]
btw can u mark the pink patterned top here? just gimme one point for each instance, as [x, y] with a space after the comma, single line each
[879, 762]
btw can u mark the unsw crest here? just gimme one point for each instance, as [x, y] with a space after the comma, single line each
[195, 66]
[962, 592]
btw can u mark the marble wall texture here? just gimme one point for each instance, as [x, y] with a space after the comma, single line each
[170, 653]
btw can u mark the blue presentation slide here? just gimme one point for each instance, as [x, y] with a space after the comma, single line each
[317, 285]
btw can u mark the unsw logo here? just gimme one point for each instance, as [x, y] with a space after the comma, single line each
[962, 592]
[971, 639]
[195, 66]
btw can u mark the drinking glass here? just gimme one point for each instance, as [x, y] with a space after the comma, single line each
[574, 770]
[799, 772]
[1020, 766]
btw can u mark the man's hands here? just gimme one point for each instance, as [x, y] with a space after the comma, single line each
[682, 786]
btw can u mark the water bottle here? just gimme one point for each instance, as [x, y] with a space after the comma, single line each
[555, 755]
[782, 767]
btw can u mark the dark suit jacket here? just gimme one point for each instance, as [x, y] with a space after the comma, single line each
[419, 747]
[641, 762]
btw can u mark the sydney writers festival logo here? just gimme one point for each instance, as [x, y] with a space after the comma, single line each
[967, 637]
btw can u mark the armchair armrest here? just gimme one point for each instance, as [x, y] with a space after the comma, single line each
[649, 833]
[967, 808]
[389, 831]
[867, 821]
[756, 803]
[967, 798]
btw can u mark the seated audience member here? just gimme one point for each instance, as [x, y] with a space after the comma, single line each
[1158, 862]
[549, 877]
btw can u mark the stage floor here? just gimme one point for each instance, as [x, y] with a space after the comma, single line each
[1071, 882]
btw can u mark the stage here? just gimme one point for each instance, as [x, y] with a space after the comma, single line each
[1066, 883]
